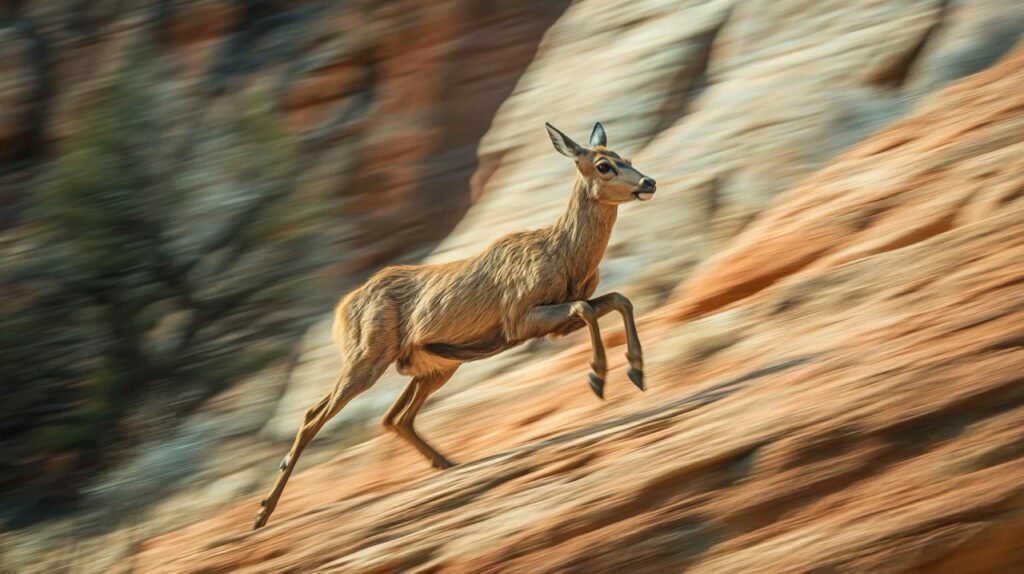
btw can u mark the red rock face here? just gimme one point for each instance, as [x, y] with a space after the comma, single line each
[833, 343]
[876, 200]
[839, 390]
[387, 102]
[727, 104]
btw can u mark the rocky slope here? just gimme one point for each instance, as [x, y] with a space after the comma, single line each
[727, 104]
[754, 326]
[839, 390]
[384, 104]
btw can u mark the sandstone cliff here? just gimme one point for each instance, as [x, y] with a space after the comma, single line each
[386, 102]
[838, 390]
[828, 280]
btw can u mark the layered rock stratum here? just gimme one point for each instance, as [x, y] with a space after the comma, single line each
[839, 390]
[828, 284]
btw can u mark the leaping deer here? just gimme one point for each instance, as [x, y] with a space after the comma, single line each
[429, 319]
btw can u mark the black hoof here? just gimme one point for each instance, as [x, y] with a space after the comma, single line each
[442, 464]
[597, 385]
[637, 376]
[256, 524]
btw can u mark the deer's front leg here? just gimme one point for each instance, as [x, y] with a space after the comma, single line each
[545, 319]
[634, 354]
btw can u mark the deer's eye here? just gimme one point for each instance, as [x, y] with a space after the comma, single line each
[603, 168]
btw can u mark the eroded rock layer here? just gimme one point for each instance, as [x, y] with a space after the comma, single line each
[839, 390]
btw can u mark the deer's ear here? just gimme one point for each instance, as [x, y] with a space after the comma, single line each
[598, 137]
[563, 143]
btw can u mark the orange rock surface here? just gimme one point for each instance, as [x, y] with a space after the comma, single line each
[840, 390]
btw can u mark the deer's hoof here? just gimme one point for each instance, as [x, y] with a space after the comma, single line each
[441, 463]
[637, 376]
[597, 385]
[261, 519]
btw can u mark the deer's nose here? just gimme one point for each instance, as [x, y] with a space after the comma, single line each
[647, 183]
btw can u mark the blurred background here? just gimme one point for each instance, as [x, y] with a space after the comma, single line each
[828, 283]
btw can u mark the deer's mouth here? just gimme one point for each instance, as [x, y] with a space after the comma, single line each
[644, 194]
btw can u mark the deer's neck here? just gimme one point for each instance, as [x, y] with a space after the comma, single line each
[581, 234]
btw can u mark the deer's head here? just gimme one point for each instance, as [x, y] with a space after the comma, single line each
[610, 178]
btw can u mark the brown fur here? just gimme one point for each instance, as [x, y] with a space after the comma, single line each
[428, 319]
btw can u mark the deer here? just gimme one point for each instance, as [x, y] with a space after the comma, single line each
[429, 319]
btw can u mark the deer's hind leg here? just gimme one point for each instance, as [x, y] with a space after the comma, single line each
[401, 416]
[353, 380]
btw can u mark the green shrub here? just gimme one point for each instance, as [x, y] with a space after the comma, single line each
[168, 251]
